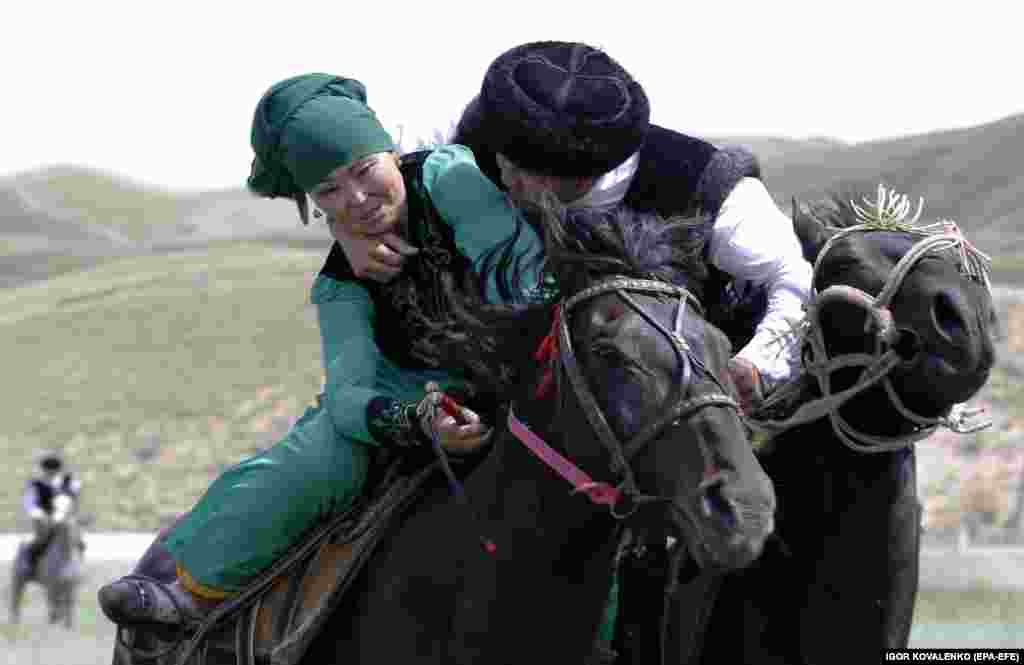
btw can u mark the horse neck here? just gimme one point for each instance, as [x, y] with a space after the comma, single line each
[516, 492]
[819, 481]
[61, 551]
[64, 533]
[842, 511]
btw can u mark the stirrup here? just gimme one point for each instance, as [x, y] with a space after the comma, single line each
[162, 612]
[170, 634]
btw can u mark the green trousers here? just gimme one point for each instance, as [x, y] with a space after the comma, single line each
[257, 510]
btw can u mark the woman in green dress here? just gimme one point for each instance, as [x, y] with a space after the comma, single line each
[315, 138]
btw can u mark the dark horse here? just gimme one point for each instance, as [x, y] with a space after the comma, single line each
[58, 569]
[843, 585]
[636, 402]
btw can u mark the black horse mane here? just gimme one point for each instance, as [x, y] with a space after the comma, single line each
[813, 220]
[835, 209]
[581, 247]
[587, 244]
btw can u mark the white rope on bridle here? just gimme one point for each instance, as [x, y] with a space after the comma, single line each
[887, 213]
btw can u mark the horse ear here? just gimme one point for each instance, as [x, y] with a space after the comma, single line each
[811, 232]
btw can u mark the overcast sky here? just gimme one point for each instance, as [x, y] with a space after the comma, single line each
[164, 92]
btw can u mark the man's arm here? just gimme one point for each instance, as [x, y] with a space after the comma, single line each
[30, 502]
[753, 241]
[479, 215]
[74, 486]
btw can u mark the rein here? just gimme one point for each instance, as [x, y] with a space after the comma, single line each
[884, 359]
[601, 494]
[626, 498]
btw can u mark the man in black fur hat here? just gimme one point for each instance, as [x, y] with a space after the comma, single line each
[564, 118]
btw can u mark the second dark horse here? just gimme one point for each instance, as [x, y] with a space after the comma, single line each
[844, 584]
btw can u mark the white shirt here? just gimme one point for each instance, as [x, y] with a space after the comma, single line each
[753, 241]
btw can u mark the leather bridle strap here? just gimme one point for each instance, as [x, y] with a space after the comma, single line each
[680, 407]
[879, 365]
[599, 493]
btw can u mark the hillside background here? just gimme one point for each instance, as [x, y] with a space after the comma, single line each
[157, 336]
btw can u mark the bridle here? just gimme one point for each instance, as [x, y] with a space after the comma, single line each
[626, 492]
[626, 498]
[885, 357]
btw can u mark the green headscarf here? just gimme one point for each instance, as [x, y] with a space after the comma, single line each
[307, 126]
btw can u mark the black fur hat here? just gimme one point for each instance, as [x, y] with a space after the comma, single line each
[560, 108]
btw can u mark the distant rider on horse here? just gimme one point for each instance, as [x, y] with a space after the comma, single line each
[50, 481]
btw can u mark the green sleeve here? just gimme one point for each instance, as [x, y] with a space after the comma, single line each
[479, 214]
[351, 356]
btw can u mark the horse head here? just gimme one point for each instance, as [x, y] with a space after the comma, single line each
[642, 401]
[919, 294]
[898, 331]
[657, 372]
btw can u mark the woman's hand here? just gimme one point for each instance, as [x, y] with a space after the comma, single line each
[377, 257]
[455, 438]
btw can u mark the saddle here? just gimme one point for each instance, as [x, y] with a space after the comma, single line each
[29, 554]
[274, 621]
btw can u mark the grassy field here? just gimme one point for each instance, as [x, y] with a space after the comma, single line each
[949, 619]
[153, 373]
[978, 618]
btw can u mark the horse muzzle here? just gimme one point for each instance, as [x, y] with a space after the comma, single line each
[730, 525]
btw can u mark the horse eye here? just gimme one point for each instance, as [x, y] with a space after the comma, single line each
[614, 311]
[609, 353]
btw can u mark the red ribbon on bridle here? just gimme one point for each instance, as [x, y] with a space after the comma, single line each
[547, 352]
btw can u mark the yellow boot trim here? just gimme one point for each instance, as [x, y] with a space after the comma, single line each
[200, 590]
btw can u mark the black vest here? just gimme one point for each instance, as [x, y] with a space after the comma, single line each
[48, 493]
[404, 304]
[677, 175]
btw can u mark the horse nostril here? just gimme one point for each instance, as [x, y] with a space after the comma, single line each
[947, 318]
[715, 505]
[907, 345]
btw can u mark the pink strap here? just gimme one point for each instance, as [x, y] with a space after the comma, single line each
[599, 493]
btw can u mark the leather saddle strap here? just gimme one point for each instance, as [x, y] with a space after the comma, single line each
[245, 636]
